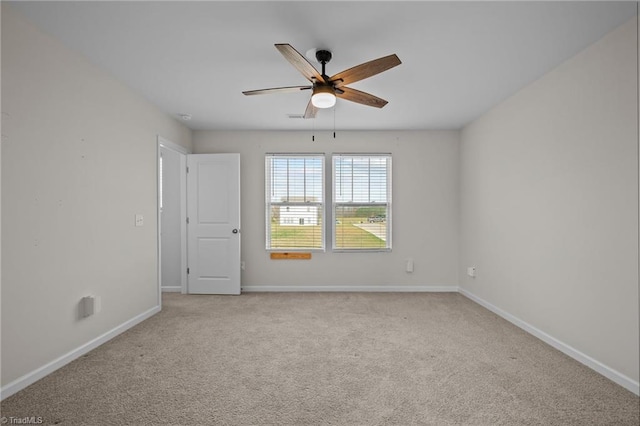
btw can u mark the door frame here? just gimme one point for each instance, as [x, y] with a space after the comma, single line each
[163, 143]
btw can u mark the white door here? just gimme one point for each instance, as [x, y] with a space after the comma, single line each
[213, 212]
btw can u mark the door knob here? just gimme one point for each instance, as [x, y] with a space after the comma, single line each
[235, 231]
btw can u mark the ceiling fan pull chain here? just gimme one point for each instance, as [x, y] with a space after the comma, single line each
[334, 121]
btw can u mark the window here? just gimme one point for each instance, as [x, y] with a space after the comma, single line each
[362, 202]
[294, 201]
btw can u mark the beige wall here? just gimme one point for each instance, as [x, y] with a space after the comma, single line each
[425, 208]
[549, 202]
[78, 162]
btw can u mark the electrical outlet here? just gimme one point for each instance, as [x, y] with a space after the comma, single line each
[471, 271]
[139, 220]
[88, 306]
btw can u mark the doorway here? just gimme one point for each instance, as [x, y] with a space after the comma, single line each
[172, 231]
[201, 255]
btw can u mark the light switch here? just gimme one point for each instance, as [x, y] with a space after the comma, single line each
[139, 220]
[409, 265]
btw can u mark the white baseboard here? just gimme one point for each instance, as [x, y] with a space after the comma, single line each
[352, 288]
[596, 365]
[172, 289]
[32, 377]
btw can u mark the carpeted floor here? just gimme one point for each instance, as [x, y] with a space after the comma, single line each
[325, 359]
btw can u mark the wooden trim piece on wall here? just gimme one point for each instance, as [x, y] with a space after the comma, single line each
[290, 255]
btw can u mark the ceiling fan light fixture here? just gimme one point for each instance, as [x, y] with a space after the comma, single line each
[323, 97]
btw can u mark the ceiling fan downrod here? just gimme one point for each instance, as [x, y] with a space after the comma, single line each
[323, 56]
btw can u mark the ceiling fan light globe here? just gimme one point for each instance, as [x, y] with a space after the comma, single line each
[323, 97]
[323, 100]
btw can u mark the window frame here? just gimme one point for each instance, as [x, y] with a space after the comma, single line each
[321, 205]
[335, 204]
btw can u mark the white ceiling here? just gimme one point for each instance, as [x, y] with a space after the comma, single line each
[459, 58]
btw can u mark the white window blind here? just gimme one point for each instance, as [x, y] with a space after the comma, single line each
[362, 201]
[294, 201]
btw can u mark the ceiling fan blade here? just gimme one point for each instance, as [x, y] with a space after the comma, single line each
[363, 98]
[362, 71]
[299, 61]
[290, 89]
[311, 111]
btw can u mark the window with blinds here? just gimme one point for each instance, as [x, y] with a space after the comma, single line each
[362, 201]
[294, 201]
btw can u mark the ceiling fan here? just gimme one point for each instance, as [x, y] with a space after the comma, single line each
[325, 89]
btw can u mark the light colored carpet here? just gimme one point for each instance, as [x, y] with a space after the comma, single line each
[325, 359]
